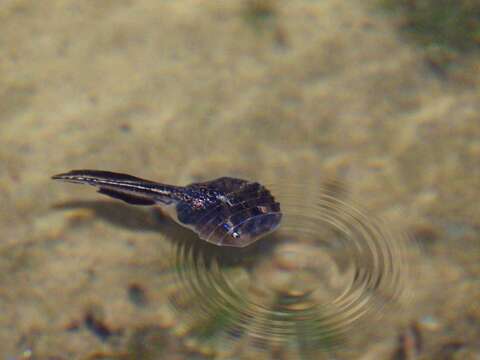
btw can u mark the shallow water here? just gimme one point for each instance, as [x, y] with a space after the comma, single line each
[372, 155]
[322, 276]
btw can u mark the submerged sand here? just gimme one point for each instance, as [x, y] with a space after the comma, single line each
[189, 90]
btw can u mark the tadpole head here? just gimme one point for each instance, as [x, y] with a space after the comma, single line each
[251, 229]
[232, 212]
[241, 224]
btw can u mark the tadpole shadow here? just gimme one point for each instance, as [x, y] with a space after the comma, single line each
[187, 243]
[116, 213]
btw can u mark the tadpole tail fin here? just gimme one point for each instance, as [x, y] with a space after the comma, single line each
[131, 189]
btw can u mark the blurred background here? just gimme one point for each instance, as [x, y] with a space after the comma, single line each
[381, 97]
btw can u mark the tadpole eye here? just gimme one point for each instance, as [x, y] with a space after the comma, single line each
[234, 234]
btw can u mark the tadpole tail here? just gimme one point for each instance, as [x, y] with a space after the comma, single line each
[130, 189]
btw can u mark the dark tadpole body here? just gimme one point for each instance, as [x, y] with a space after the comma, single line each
[225, 211]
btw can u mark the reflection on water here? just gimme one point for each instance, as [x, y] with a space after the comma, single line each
[307, 286]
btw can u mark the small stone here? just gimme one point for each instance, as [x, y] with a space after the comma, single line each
[79, 217]
[425, 234]
[137, 295]
[429, 322]
[450, 350]
[426, 199]
[378, 164]
[410, 343]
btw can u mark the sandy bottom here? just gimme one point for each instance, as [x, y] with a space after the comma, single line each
[188, 90]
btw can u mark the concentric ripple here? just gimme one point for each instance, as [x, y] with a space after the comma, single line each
[316, 278]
